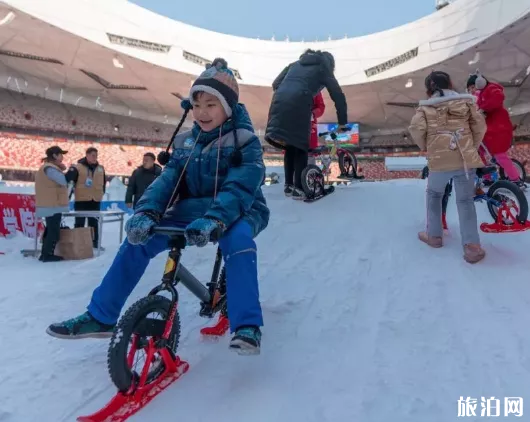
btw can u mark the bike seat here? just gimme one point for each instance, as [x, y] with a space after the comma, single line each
[486, 170]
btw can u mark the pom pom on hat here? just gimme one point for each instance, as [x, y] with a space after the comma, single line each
[219, 63]
[186, 104]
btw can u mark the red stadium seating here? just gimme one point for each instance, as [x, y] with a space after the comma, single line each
[24, 152]
[24, 111]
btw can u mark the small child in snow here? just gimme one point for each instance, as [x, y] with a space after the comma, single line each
[217, 170]
[449, 127]
[319, 107]
[499, 134]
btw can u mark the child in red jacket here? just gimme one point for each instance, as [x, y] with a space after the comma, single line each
[318, 110]
[499, 135]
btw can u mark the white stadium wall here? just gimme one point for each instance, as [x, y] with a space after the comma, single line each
[414, 46]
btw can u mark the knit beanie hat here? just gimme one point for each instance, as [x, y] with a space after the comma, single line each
[218, 80]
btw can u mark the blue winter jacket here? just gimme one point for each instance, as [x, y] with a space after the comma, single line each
[239, 193]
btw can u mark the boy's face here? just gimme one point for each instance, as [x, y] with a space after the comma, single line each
[208, 111]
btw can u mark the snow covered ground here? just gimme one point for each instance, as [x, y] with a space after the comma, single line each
[363, 322]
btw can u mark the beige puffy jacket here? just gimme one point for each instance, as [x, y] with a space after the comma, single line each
[450, 129]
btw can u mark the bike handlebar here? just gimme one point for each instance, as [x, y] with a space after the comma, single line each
[178, 231]
[169, 231]
[333, 135]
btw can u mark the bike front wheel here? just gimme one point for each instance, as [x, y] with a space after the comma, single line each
[127, 353]
[312, 181]
[509, 194]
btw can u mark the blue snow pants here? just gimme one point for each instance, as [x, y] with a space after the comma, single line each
[240, 258]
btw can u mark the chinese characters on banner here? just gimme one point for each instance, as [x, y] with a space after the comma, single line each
[17, 213]
[490, 407]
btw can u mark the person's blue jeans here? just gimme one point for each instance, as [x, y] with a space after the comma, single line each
[240, 257]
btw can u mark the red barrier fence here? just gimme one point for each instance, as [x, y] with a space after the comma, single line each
[17, 213]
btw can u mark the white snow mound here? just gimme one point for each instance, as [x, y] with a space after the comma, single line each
[362, 322]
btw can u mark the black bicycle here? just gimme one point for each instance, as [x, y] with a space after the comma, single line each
[315, 177]
[138, 331]
[505, 201]
[142, 355]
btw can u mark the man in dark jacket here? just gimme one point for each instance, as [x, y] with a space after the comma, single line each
[290, 113]
[141, 178]
[89, 187]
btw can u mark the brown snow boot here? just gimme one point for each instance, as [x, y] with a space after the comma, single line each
[433, 242]
[473, 253]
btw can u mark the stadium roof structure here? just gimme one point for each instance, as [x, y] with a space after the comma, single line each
[121, 58]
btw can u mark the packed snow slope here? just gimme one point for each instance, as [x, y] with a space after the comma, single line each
[363, 322]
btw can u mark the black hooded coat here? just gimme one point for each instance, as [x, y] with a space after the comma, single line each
[289, 122]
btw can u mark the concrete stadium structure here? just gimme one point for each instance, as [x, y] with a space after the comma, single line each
[116, 55]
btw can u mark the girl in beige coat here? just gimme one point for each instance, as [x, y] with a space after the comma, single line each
[450, 129]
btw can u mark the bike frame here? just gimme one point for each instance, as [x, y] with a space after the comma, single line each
[175, 273]
[480, 197]
[326, 165]
[485, 197]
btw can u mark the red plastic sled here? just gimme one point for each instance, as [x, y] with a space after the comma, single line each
[124, 405]
[499, 226]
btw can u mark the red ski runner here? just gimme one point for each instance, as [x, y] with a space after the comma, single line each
[124, 405]
[505, 214]
[500, 225]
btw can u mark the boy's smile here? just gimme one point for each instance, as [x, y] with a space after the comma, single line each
[208, 111]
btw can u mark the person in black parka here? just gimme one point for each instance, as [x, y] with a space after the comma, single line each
[289, 124]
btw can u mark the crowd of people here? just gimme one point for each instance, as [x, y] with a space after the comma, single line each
[52, 199]
[88, 181]
[213, 176]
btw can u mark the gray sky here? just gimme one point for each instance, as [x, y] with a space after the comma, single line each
[306, 20]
